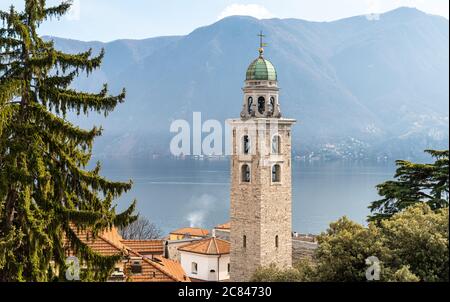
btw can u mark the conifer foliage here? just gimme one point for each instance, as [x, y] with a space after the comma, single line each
[46, 191]
[414, 183]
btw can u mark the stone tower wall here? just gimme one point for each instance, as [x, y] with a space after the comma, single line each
[260, 210]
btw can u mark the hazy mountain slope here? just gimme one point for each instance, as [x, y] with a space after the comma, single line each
[120, 55]
[357, 87]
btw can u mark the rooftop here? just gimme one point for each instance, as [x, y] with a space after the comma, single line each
[103, 243]
[261, 69]
[209, 246]
[191, 231]
[145, 246]
[109, 243]
[159, 269]
[225, 226]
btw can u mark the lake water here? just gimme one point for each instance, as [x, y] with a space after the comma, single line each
[175, 194]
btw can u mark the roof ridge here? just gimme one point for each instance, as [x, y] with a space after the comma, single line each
[217, 240]
[113, 244]
[217, 246]
[211, 240]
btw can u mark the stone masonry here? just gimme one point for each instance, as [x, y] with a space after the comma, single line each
[260, 209]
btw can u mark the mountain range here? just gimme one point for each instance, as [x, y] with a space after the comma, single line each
[360, 88]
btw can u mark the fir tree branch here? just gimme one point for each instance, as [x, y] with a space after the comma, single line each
[43, 184]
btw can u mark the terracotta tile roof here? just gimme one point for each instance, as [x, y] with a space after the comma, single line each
[225, 226]
[100, 244]
[209, 246]
[149, 273]
[145, 246]
[110, 243]
[159, 269]
[191, 231]
[113, 236]
[197, 280]
[172, 267]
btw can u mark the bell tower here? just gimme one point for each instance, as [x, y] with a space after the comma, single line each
[261, 198]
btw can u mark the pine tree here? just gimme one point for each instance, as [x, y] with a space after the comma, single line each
[46, 191]
[428, 183]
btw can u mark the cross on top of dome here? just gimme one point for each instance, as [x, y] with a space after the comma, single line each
[261, 43]
[261, 68]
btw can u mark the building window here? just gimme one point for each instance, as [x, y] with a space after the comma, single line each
[276, 173]
[276, 144]
[246, 144]
[136, 267]
[194, 267]
[271, 105]
[261, 105]
[250, 104]
[246, 175]
[228, 267]
[244, 241]
[276, 241]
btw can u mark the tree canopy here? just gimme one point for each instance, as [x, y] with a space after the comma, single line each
[46, 190]
[410, 246]
[428, 183]
[407, 234]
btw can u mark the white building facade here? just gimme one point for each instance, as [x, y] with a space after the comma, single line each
[207, 260]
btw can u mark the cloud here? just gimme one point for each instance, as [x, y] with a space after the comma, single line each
[253, 10]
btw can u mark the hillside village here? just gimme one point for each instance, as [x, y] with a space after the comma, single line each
[185, 255]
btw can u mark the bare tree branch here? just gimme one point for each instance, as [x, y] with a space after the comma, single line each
[141, 229]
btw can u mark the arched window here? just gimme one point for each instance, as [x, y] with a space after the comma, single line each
[194, 267]
[276, 144]
[245, 170]
[276, 173]
[261, 105]
[250, 104]
[246, 144]
[271, 105]
[244, 241]
[276, 241]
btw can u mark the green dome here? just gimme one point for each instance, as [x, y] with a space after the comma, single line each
[261, 69]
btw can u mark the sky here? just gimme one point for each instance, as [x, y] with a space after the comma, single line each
[107, 20]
